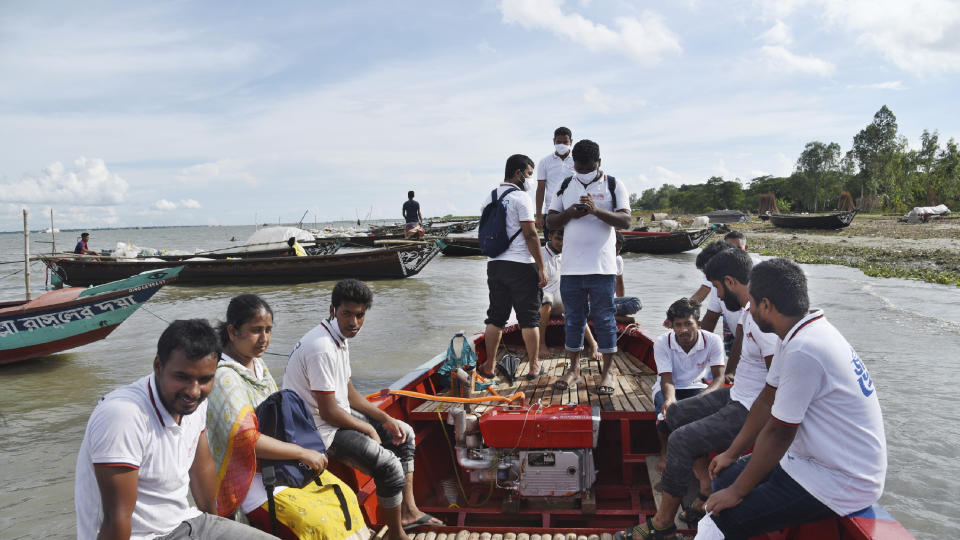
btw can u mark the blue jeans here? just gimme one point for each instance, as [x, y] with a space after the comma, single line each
[627, 305]
[685, 393]
[776, 502]
[600, 289]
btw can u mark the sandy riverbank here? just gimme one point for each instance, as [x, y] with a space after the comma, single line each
[880, 246]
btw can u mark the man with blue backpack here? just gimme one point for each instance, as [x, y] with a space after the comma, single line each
[589, 206]
[515, 274]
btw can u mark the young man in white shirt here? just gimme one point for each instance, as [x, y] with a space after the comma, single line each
[514, 277]
[590, 209]
[145, 445]
[710, 422]
[354, 430]
[552, 305]
[816, 429]
[551, 171]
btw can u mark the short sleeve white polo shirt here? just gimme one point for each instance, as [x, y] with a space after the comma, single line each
[320, 362]
[589, 244]
[687, 368]
[839, 454]
[553, 169]
[551, 268]
[752, 368]
[130, 427]
[716, 305]
[519, 209]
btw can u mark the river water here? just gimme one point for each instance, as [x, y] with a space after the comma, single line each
[907, 332]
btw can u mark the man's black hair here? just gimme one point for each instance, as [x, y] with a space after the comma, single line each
[84, 234]
[561, 131]
[783, 282]
[708, 252]
[619, 238]
[516, 162]
[242, 308]
[586, 151]
[560, 231]
[291, 241]
[195, 337]
[351, 290]
[683, 308]
[735, 235]
[410, 194]
[729, 262]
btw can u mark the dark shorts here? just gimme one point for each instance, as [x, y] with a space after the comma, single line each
[513, 285]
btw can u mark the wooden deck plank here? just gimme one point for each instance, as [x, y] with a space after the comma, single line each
[628, 384]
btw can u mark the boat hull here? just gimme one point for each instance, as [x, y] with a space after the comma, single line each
[389, 263]
[69, 318]
[664, 243]
[838, 220]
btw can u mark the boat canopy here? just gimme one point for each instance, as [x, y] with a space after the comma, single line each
[271, 238]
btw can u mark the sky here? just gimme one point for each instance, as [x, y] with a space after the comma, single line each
[223, 113]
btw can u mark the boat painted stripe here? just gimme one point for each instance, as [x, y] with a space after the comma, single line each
[872, 512]
[154, 403]
[119, 464]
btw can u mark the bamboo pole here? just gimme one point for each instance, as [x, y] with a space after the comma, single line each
[53, 235]
[26, 253]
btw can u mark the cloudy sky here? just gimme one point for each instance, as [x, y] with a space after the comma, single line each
[183, 112]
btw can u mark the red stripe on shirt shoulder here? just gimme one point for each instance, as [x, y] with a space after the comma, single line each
[802, 326]
[120, 465]
[154, 403]
[779, 421]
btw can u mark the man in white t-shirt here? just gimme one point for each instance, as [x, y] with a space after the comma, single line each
[710, 422]
[589, 207]
[355, 431]
[816, 429]
[552, 305]
[514, 277]
[145, 446]
[552, 170]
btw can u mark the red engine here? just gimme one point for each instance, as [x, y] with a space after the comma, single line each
[553, 426]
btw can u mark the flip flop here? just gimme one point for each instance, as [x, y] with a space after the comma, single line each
[424, 521]
[604, 390]
[563, 385]
[532, 376]
[488, 376]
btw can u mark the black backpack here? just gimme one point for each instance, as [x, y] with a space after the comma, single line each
[611, 185]
[285, 417]
[492, 230]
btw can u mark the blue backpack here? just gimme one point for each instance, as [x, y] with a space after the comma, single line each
[285, 417]
[492, 231]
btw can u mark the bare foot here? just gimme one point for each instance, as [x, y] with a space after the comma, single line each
[593, 353]
[418, 515]
[545, 353]
[568, 379]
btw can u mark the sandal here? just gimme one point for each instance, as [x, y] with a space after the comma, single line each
[604, 390]
[692, 515]
[647, 532]
[532, 376]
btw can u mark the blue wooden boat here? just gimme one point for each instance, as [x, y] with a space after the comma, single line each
[68, 318]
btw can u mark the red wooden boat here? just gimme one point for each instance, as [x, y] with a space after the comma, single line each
[560, 462]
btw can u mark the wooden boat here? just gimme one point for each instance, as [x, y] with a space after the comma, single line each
[463, 246]
[68, 318]
[387, 263]
[836, 220]
[664, 242]
[727, 216]
[320, 247]
[477, 474]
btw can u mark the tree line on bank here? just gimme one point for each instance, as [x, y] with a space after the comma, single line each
[880, 171]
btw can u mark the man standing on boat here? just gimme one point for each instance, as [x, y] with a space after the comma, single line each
[355, 431]
[515, 276]
[146, 445]
[589, 206]
[816, 429]
[411, 216]
[552, 170]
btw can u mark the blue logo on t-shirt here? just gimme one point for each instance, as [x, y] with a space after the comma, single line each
[863, 376]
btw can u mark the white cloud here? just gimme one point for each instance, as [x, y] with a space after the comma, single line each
[189, 203]
[778, 34]
[663, 175]
[887, 85]
[720, 169]
[224, 170]
[780, 59]
[778, 9]
[485, 47]
[164, 205]
[644, 39]
[89, 183]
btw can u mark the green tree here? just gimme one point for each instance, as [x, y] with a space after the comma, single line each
[875, 149]
[818, 170]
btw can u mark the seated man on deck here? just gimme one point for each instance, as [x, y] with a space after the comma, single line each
[709, 422]
[146, 444]
[819, 448]
[626, 306]
[354, 431]
[82, 248]
[552, 305]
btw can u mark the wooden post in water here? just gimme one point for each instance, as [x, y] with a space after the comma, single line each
[26, 253]
[53, 235]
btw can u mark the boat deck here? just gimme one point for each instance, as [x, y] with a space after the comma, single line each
[632, 388]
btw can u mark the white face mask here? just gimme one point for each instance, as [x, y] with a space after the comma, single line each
[562, 149]
[587, 177]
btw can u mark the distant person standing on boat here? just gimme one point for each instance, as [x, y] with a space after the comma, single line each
[589, 206]
[82, 248]
[355, 431]
[819, 448]
[296, 247]
[412, 217]
[146, 445]
[551, 171]
[515, 276]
